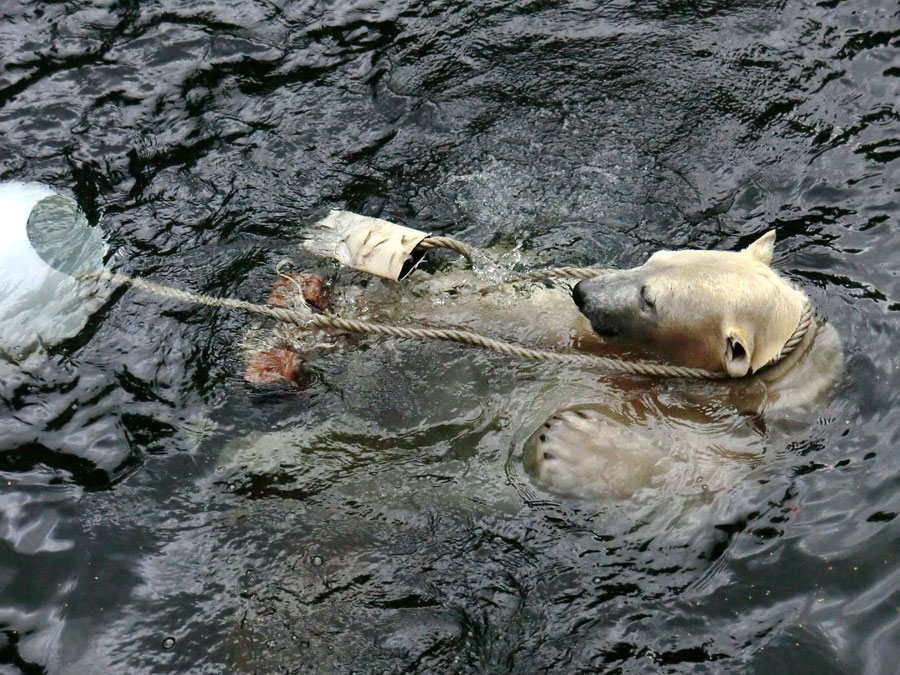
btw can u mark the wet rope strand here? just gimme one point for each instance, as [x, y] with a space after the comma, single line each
[466, 251]
[469, 252]
[558, 273]
[306, 320]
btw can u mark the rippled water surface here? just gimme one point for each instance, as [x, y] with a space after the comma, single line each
[159, 515]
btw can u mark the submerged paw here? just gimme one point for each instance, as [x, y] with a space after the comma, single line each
[582, 452]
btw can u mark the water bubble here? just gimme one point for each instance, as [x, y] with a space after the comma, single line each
[168, 643]
[317, 560]
[596, 580]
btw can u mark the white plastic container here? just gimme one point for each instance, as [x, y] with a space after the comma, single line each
[45, 242]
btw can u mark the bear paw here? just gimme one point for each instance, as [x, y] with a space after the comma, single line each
[582, 452]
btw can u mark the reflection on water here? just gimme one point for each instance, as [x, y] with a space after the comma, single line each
[159, 515]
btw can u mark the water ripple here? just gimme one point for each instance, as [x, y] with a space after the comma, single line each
[159, 515]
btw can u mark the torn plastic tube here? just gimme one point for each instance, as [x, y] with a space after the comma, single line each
[370, 245]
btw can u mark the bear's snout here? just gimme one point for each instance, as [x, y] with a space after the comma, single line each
[585, 294]
[609, 301]
[588, 291]
[579, 294]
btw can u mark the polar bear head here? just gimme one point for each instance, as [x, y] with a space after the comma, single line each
[719, 310]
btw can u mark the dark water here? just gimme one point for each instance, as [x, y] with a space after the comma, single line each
[158, 515]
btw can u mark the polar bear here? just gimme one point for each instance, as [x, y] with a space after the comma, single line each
[727, 312]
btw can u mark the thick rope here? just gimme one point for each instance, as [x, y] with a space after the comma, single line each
[806, 325]
[469, 252]
[558, 273]
[450, 243]
[306, 319]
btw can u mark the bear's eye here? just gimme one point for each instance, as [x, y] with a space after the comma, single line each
[647, 301]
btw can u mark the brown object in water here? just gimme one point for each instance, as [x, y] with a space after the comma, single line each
[274, 365]
[312, 286]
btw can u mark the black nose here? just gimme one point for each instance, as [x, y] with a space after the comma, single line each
[578, 294]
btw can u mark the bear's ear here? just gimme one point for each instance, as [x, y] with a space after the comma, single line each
[738, 352]
[763, 248]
